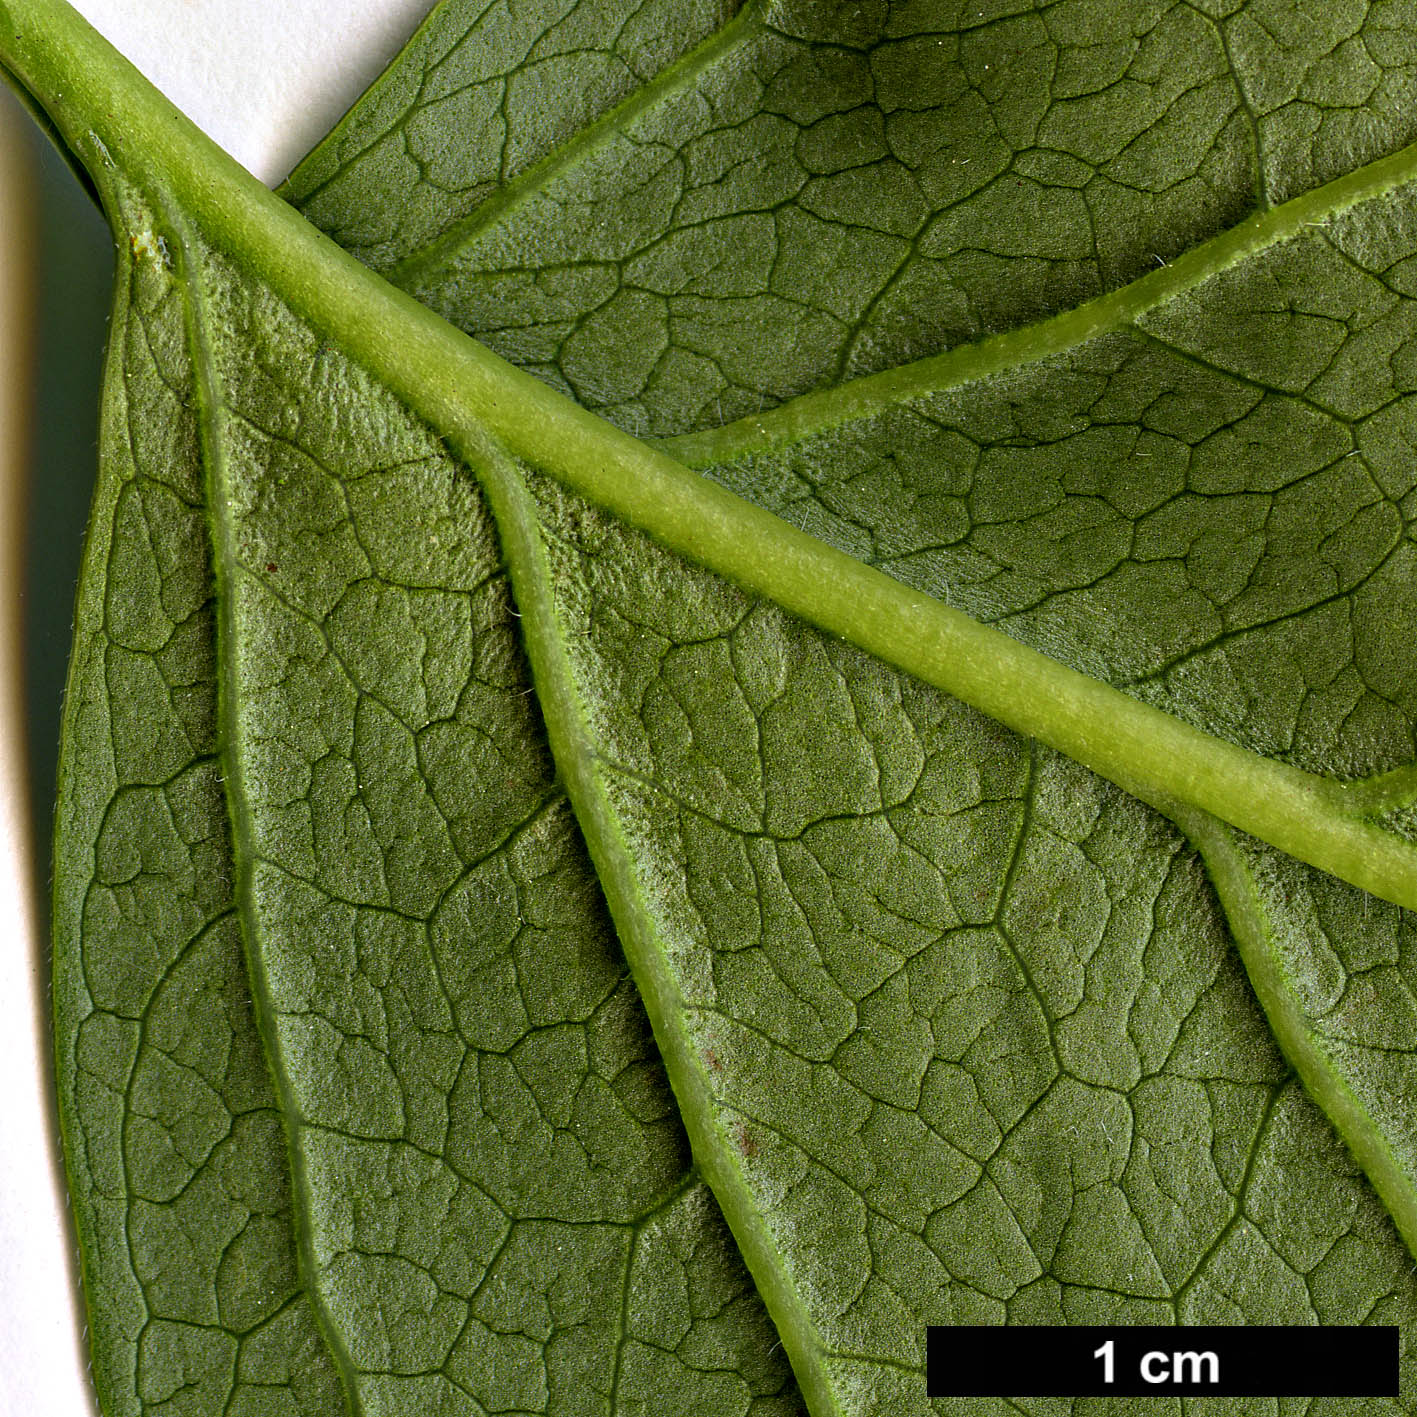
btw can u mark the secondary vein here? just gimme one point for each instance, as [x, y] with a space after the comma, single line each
[872, 394]
[212, 418]
[1323, 1079]
[578, 762]
[430, 264]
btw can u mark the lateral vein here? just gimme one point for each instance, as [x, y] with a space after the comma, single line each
[426, 266]
[578, 761]
[873, 394]
[1322, 1078]
[211, 418]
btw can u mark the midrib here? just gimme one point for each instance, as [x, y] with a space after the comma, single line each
[467, 393]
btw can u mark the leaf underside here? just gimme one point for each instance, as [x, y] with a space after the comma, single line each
[503, 966]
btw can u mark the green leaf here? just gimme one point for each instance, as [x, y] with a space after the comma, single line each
[986, 787]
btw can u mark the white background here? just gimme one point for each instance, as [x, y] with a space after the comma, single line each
[266, 78]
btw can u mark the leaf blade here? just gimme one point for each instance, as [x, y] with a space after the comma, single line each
[423, 959]
[177, 1154]
[1273, 1107]
[905, 979]
[460, 387]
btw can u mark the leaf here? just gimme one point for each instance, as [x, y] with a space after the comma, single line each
[957, 1031]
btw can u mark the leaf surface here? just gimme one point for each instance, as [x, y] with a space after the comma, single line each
[957, 1031]
[822, 191]
[172, 1126]
[501, 1207]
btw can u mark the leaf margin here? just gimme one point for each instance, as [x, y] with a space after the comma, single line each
[459, 386]
[495, 380]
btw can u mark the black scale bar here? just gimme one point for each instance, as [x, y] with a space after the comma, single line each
[1157, 1361]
